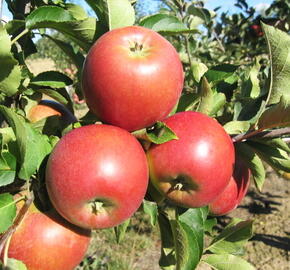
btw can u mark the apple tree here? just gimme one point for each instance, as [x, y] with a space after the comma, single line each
[234, 109]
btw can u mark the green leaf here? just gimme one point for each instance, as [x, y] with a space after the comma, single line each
[237, 127]
[209, 224]
[7, 168]
[198, 70]
[165, 24]
[160, 133]
[219, 100]
[13, 264]
[32, 146]
[187, 102]
[82, 32]
[54, 94]
[276, 116]
[251, 85]
[276, 143]
[14, 26]
[278, 46]
[195, 219]
[10, 76]
[76, 11]
[167, 259]
[53, 79]
[253, 162]
[275, 157]
[201, 13]
[47, 14]
[206, 94]
[5, 43]
[150, 208]
[7, 135]
[233, 238]
[7, 211]
[121, 13]
[186, 246]
[76, 57]
[120, 230]
[220, 72]
[227, 262]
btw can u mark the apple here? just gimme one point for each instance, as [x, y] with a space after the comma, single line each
[235, 191]
[47, 108]
[256, 30]
[193, 170]
[97, 176]
[132, 77]
[45, 241]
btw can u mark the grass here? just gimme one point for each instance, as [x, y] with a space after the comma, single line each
[138, 250]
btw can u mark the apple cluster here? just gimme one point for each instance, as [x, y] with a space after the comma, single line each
[97, 175]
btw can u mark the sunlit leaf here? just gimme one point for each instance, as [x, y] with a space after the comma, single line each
[227, 262]
[276, 116]
[237, 127]
[150, 208]
[10, 76]
[7, 168]
[53, 79]
[33, 147]
[165, 24]
[82, 32]
[7, 211]
[186, 246]
[233, 238]
[206, 97]
[121, 13]
[120, 230]
[278, 46]
[161, 133]
[220, 72]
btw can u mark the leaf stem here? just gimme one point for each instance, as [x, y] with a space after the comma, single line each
[24, 32]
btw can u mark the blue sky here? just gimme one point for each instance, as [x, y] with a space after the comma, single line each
[210, 4]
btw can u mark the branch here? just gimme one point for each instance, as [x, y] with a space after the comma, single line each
[275, 133]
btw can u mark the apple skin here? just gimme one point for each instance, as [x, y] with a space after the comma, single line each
[48, 242]
[97, 176]
[47, 108]
[132, 77]
[235, 191]
[193, 170]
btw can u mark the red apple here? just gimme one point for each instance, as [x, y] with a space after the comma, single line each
[97, 176]
[48, 242]
[47, 108]
[193, 170]
[235, 191]
[132, 77]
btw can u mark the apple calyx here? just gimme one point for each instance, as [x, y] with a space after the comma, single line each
[138, 49]
[99, 205]
[182, 183]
